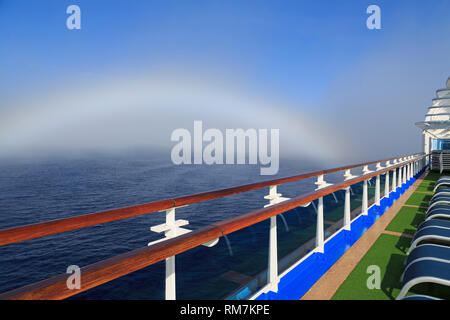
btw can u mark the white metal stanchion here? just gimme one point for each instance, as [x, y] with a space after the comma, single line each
[365, 199]
[321, 183]
[377, 185]
[172, 228]
[272, 272]
[394, 177]
[272, 264]
[347, 213]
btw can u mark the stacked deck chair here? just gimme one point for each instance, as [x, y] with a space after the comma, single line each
[429, 254]
[442, 181]
[439, 206]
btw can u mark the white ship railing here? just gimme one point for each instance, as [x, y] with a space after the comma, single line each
[178, 239]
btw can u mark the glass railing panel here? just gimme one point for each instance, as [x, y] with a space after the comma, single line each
[356, 192]
[296, 230]
[382, 184]
[371, 184]
[333, 212]
[235, 268]
[145, 284]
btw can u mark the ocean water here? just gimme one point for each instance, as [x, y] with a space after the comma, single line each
[40, 190]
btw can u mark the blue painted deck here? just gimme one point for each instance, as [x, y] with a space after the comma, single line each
[300, 279]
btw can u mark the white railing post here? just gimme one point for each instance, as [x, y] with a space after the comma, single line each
[348, 175]
[406, 177]
[272, 264]
[272, 271]
[404, 173]
[170, 279]
[394, 177]
[170, 262]
[171, 229]
[386, 182]
[365, 200]
[409, 171]
[274, 197]
[347, 213]
[319, 225]
[377, 185]
[400, 175]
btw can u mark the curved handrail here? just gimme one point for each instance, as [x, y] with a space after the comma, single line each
[37, 230]
[118, 266]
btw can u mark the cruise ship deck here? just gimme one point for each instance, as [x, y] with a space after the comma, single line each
[384, 245]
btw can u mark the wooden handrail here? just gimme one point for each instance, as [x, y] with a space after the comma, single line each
[103, 271]
[37, 230]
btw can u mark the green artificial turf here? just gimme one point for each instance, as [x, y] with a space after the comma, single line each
[407, 220]
[427, 185]
[388, 253]
[419, 199]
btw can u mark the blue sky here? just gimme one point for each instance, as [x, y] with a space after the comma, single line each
[297, 51]
[292, 46]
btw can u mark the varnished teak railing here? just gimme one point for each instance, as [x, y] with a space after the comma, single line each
[101, 272]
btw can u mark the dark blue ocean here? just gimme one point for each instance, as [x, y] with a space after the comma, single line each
[40, 190]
